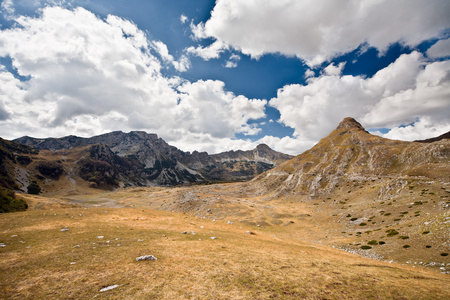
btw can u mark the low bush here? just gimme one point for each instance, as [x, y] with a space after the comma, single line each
[391, 232]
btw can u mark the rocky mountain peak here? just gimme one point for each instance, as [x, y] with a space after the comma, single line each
[263, 147]
[350, 123]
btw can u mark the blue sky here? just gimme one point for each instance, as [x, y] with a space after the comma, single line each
[227, 74]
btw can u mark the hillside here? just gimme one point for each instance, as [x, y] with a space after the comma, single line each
[349, 156]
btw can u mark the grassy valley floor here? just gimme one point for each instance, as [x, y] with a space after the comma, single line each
[63, 249]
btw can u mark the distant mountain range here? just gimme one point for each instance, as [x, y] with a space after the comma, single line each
[119, 159]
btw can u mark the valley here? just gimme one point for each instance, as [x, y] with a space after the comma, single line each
[354, 217]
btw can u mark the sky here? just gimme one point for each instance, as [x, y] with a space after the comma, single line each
[227, 74]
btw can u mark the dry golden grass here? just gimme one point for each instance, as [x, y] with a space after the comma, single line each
[41, 262]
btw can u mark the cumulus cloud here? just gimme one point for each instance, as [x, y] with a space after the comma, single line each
[317, 31]
[89, 76]
[232, 62]
[181, 65]
[183, 19]
[409, 90]
[8, 7]
[440, 49]
[422, 129]
[210, 52]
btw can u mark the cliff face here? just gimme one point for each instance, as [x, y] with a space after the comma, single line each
[139, 158]
[348, 154]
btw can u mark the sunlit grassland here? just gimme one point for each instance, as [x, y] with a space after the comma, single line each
[39, 261]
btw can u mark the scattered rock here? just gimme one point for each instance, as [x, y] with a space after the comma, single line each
[108, 288]
[146, 257]
[184, 232]
[213, 238]
[65, 229]
[100, 237]
[2, 245]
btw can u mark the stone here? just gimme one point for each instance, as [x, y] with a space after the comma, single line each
[64, 229]
[108, 288]
[146, 257]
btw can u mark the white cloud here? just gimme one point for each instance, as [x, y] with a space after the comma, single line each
[205, 104]
[232, 62]
[333, 70]
[212, 51]
[183, 19]
[8, 7]
[181, 65]
[424, 128]
[89, 76]
[317, 31]
[440, 49]
[410, 89]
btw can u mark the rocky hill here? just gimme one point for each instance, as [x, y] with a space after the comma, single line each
[141, 159]
[351, 154]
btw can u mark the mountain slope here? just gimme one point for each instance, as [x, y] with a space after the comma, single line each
[142, 159]
[350, 153]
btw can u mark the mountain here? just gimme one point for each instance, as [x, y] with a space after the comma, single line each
[141, 159]
[350, 154]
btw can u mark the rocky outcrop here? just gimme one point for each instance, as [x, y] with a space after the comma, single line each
[141, 159]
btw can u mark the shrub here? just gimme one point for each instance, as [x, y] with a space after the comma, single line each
[404, 237]
[9, 202]
[426, 232]
[381, 242]
[353, 219]
[34, 188]
[365, 247]
[391, 232]
[444, 254]
[428, 246]
[363, 224]
[406, 246]
[372, 242]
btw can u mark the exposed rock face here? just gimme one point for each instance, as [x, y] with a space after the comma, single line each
[139, 158]
[349, 154]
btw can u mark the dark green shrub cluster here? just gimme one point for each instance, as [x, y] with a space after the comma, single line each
[404, 237]
[444, 254]
[391, 232]
[406, 246]
[9, 202]
[365, 247]
[34, 188]
[372, 242]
